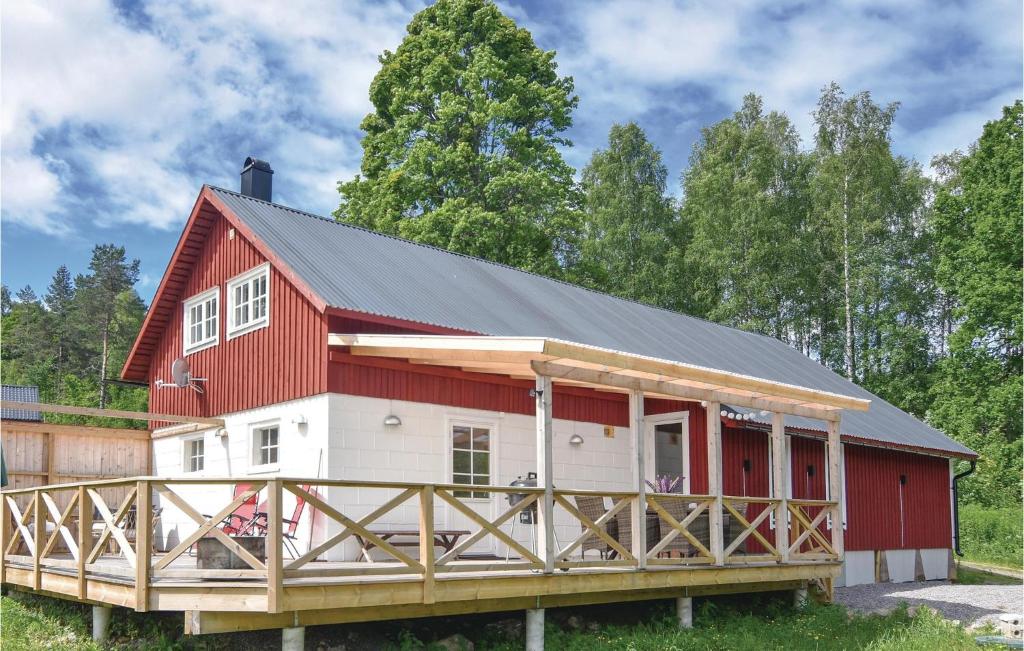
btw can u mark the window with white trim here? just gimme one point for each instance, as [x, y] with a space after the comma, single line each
[471, 457]
[265, 440]
[202, 320]
[195, 455]
[249, 301]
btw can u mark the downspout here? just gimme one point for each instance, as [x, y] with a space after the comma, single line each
[956, 507]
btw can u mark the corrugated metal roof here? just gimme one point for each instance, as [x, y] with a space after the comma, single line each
[357, 269]
[19, 393]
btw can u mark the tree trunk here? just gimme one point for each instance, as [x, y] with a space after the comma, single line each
[846, 278]
[103, 366]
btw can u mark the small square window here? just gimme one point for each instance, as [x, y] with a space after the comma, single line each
[249, 301]
[265, 445]
[195, 455]
[202, 321]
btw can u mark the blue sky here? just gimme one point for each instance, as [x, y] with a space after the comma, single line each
[115, 113]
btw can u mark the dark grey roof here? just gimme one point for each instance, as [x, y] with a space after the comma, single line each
[19, 393]
[357, 269]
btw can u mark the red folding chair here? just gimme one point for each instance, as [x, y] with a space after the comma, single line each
[259, 524]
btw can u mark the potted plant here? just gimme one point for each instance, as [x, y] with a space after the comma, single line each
[665, 483]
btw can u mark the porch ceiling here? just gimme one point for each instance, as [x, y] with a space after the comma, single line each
[578, 364]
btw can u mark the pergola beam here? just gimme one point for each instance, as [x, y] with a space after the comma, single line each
[606, 378]
[108, 413]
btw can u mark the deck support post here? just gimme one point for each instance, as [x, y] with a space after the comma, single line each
[101, 623]
[800, 597]
[535, 629]
[835, 484]
[639, 513]
[293, 639]
[714, 442]
[780, 477]
[545, 514]
[684, 611]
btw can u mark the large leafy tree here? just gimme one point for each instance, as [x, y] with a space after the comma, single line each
[628, 221]
[461, 150]
[745, 212]
[978, 224]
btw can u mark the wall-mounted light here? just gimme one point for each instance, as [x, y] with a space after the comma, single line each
[392, 420]
[299, 419]
[575, 439]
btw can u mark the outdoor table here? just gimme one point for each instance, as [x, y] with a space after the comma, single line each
[444, 538]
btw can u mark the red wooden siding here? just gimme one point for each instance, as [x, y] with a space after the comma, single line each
[805, 453]
[284, 361]
[873, 500]
[398, 380]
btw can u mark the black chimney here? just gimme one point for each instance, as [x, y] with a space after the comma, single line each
[257, 179]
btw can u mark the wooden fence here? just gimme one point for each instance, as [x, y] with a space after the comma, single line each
[41, 454]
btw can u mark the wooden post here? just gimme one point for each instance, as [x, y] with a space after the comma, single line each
[780, 476]
[5, 535]
[49, 458]
[835, 485]
[714, 442]
[639, 513]
[275, 547]
[84, 539]
[427, 541]
[143, 544]
[545, 469]
[39, 531]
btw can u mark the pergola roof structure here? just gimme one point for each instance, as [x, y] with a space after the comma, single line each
[567, 362]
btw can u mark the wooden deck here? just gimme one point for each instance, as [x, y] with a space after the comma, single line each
[120, 567]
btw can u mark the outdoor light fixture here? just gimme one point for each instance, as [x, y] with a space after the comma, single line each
[392, 421]
[575, 439]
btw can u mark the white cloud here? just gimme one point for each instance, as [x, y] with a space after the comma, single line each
[141, 108]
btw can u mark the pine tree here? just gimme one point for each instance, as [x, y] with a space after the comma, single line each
[59, 300]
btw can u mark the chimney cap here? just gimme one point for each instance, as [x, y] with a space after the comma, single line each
[262, 165]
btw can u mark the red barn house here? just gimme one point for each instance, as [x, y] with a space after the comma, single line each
[346, 363]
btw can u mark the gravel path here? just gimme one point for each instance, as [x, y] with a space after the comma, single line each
[969, 604]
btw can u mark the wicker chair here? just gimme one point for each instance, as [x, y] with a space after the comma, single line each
[677, 509]
[593, 508]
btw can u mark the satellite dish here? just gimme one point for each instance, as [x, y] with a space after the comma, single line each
[180, 373]
[181, 377]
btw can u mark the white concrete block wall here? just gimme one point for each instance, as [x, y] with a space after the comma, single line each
[363, 448]
[299, 453]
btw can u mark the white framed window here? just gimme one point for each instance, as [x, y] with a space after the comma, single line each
[202, 321]
[249, 301]
[471, 446]
[265, 445]
[194, 455]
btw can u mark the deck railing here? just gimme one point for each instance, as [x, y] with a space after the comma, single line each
[105, 529]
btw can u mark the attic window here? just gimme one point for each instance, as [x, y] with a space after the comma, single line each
[249, 301]
[202, 321]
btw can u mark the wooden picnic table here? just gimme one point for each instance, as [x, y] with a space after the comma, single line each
[444, 538]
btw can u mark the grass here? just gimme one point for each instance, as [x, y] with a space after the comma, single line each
[967, 576]
[994, 536]
[748, 622]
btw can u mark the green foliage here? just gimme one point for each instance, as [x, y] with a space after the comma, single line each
[461, 149]
[978, 224]
[629, 223]
[993, 536]
[745, 211]
[75, 341]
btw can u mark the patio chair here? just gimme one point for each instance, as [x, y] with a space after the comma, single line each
[244, 520]
[258, 527]
[677, 508]
[593, 507]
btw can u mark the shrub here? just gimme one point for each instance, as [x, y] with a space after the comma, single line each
[992, 535]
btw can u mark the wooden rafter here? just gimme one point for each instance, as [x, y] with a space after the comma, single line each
[108, 413]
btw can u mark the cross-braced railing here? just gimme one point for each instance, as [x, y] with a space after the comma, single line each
[108, 528]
